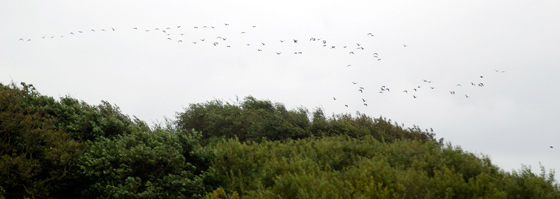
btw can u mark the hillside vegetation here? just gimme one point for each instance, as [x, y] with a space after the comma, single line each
[67, 148]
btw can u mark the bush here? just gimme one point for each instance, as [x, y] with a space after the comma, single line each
[147, 165]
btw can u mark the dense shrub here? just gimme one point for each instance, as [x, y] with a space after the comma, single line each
[147, 165]
[41, 137]
[346, 167]
[254, 149]
[257, 120]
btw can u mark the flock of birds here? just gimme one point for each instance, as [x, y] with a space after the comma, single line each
[231, 38]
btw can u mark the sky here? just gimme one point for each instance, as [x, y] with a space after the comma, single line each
[482, 74]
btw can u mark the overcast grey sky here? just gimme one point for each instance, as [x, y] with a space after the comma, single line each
[152, 74]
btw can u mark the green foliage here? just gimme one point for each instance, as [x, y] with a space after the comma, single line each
[41, 137]
[257, 120]
[346, 167]
[35, 156]
[255, 149]
[146, 165]
[252, 120]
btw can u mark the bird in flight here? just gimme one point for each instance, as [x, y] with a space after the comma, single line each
[405, 45]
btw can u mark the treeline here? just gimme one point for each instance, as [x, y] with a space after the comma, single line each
[250, 149]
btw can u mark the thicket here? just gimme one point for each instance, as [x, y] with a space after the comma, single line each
[257, 120]
[251, 149]
[346, 167]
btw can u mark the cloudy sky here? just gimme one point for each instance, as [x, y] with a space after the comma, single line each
[483, 74]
